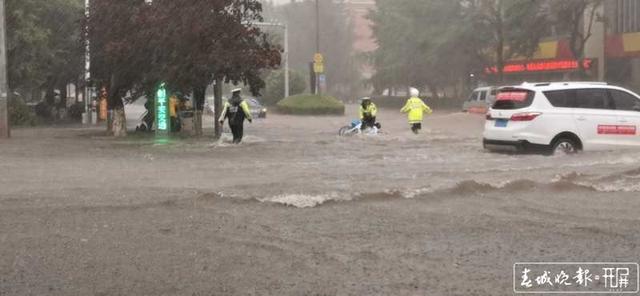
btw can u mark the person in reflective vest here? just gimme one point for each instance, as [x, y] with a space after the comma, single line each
[415, 109]
[236, 110]
[368, 112]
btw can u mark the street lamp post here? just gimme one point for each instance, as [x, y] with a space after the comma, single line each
[4, 89]
[318, 90]
[87, 68]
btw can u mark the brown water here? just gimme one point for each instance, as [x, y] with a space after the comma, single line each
[297, 210]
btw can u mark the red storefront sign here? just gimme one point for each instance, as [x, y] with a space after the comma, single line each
[542, 66]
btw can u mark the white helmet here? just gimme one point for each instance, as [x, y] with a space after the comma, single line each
[414, 92]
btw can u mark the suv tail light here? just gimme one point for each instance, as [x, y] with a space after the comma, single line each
[526, 116]
[488, 116]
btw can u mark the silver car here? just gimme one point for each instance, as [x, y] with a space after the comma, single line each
[480, 100]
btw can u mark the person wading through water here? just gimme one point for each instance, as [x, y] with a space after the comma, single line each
[236, 110]
[415, 109]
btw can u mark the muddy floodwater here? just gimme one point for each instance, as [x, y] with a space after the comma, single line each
[297, 210]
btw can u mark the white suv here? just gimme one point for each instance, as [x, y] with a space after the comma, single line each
[563, 117]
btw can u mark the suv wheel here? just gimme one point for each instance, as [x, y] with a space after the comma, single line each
[564, 146]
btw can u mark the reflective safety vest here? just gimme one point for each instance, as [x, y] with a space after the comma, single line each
[371, 110]
[415, 109]
[236, 112]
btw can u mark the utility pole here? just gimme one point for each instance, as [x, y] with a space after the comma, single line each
[87, 68]
[318, 90]
[317, 26]
[4, 89]
[286, 61]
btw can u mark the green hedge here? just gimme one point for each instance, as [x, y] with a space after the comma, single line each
[398, 102]
[311, 105]
[20, 114]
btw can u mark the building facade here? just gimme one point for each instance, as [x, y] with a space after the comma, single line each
[622, 44]
[612, 52]
[363, 39]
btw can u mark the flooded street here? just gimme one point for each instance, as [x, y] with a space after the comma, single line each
[297, 210]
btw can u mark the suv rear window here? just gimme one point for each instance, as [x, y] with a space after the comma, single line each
[509, 99]
[562, 98]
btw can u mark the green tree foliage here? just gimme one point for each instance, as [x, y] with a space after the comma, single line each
[576, 19]
[413, 36]
[43, 46]
[336, 42]
[19, 113]
[437, 43]
[274, 89]
[186, 43]
[509, 28]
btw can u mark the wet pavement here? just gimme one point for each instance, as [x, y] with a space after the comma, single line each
[298, 210]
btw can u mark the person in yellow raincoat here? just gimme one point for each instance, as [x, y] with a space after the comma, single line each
[368, 112]
[415, 109]
[173, 113]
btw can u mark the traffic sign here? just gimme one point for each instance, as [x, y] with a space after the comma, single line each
[318, 67]
[318, 58]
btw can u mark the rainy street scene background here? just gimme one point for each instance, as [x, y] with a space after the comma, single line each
[319, 147]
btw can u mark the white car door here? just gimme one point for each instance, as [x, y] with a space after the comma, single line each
[628, 110]
[595, 120]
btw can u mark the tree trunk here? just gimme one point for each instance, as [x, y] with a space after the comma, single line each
[217, 106]
[119, 122]
[77, 91]
[117, 125]
[62, 106]
[500, 59]
[199, 94]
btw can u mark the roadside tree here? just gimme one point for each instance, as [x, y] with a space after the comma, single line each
[576, 18]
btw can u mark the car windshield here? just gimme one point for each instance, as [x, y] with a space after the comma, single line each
[473, 96]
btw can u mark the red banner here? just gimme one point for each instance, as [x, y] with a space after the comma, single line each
[542, 66]
[627, 130]
[518, 96]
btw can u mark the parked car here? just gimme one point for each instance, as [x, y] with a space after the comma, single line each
[480, 100]
[255, 107]
[563, 117]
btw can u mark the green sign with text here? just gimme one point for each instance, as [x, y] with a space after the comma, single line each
[162, 111]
